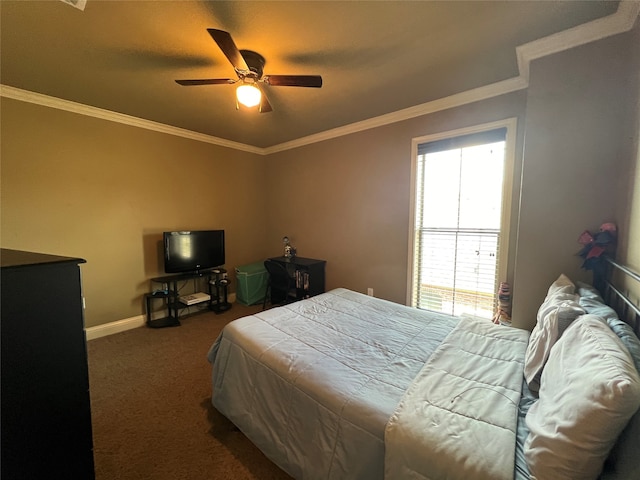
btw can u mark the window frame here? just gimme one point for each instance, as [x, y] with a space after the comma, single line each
[507, 192]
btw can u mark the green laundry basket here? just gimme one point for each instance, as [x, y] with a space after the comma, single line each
[251, 285]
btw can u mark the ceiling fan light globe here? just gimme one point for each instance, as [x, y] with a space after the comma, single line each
[248, 95]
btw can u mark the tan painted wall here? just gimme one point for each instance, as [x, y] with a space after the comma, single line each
[579, 132]
[85, 187]
[346, 200]
[79, 186]
[629, 202]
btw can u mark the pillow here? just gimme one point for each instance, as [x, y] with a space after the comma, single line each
[627, 337]
[564, 301]
[561, 285]
[588, 291]
[559, 309]
[590, 389]
[597, 307]
[592, 302]
[624, 461]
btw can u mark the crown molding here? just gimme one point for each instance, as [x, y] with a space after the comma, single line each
[87, 110]
[445, 103]
[619, 22]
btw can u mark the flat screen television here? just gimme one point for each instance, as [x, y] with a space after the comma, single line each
[193, 251]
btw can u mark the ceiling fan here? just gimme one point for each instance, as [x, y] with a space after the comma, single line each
[249, 67]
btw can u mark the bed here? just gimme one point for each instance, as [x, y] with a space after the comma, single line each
[347, 386]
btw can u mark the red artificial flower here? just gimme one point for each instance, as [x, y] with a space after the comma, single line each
[585, 238]
[595, 251]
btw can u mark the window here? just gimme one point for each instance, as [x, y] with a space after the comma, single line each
[460, 206]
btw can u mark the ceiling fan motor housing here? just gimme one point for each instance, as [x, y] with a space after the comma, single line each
[249, 67]
[254, 61]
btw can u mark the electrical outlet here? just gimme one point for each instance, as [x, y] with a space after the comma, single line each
[370, 292]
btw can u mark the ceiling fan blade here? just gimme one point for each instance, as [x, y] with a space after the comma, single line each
[206, 81]
[294, 80]
[265, 106]
[228, 47]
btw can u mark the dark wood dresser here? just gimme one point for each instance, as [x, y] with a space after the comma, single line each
[45, 412]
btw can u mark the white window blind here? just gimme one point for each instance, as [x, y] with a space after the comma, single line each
[458, 195]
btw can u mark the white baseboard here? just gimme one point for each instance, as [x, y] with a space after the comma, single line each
[126, 324]
[115, 327]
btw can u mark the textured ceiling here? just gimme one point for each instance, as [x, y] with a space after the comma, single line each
[375, 57]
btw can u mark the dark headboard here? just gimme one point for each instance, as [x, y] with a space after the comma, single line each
[614, 296]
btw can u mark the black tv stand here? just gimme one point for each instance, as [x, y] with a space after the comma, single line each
[219, 282]
[217, 302]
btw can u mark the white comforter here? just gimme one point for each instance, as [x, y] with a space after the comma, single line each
[314, 383]
[458, 418]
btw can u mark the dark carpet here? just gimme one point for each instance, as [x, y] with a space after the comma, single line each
[151, 407]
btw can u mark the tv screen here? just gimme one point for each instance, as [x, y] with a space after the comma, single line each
[192, 251]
